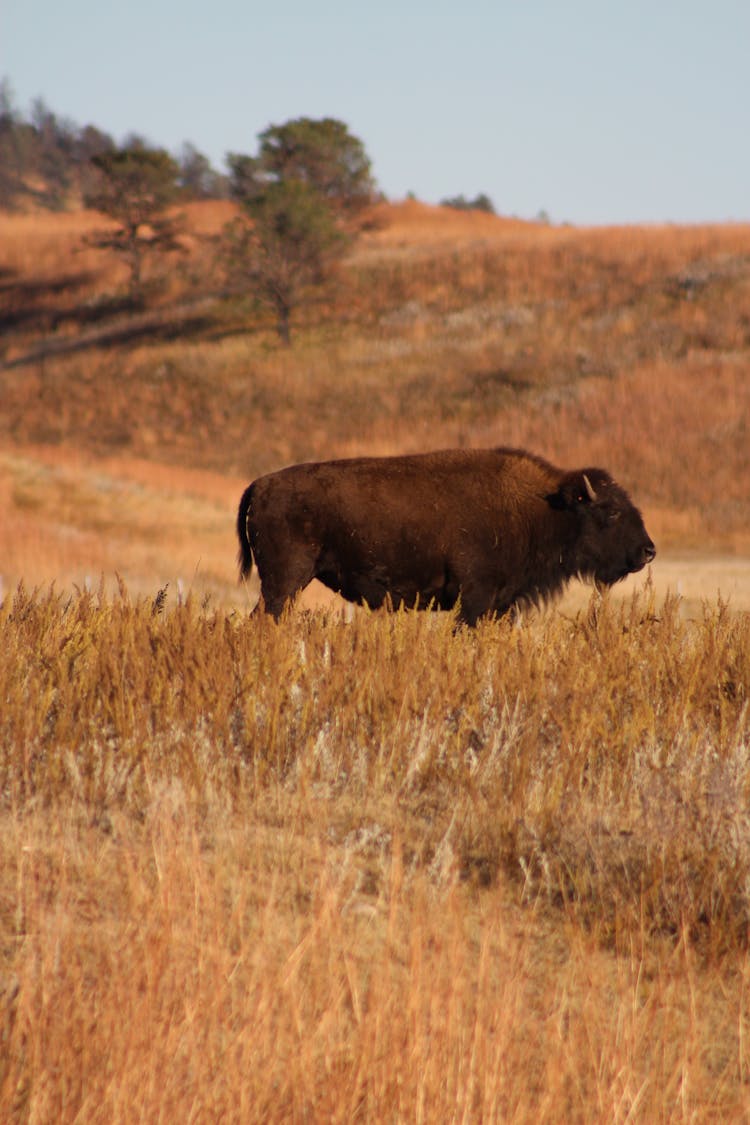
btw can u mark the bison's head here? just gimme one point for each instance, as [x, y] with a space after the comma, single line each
[611, 540]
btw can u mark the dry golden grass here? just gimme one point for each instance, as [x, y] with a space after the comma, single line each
[260, 872]
[373, 870]
[46, 244]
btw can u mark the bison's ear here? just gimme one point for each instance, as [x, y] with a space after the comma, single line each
[575, 491]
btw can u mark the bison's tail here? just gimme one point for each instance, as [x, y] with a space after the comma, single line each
[245, 556]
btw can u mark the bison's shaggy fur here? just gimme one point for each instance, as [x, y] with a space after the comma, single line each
[484, 529]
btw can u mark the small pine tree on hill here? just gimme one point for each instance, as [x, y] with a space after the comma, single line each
[135, 186]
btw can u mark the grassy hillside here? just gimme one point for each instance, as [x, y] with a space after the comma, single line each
[372, 869]
[625, 347]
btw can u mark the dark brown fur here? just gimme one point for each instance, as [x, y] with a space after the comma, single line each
[485, 528]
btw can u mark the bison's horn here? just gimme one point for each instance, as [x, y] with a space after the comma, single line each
[589, 489]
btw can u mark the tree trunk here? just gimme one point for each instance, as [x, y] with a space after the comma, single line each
[283, 322]
[136, 265]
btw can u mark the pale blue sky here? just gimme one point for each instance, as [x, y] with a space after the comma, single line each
[594, 111]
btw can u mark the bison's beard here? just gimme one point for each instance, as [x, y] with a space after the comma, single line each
[606, 583]
[605, 579]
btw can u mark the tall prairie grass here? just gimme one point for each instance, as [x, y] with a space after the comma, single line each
[380, 870]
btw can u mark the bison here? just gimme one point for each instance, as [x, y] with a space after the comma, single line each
[481, 529]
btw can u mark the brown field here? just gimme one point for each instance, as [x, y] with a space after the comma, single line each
[358, 866]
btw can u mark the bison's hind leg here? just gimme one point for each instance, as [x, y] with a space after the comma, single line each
[283, 577]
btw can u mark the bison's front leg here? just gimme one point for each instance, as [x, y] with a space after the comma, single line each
[473, 604]
[483, 596]
[283, 574]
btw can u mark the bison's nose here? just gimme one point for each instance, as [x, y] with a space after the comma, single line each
[649, 552]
